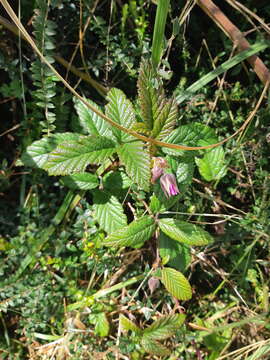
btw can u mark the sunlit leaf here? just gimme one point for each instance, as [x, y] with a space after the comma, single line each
[189, 135]
[154, 347]
[212, 166]
[90, 122]
[121, 111]
[159, 114]
[164, 327]
[184, 232]
[176, 283]
[108, 211]
[184, 173]
[73, 156]
[149, 91]
[102, 326]
[177, 255]
[37, 153]
[134, 235]
[136, 159]
[164, 119]
[127, 325]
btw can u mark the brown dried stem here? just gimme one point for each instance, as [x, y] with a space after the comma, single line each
[236, 36]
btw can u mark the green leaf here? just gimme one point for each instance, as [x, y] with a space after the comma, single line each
[90, 122]
[164, 327]
[212, 165]
[184, 232]
[73, 156]
[108, 212]
[154, 347]
[176, 283]
[188, 135]
[164, 119]
[183, 135]
[178, 254]
[184, 172]
[155, 204]
[37, 153]
[81, 181]
[136, 159]
[127, 325]
[158, 113]
[149, 91]
[120, 110]
[102, 326]
[134, 235]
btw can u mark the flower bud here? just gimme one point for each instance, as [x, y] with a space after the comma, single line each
[159, 165]
[169, 185]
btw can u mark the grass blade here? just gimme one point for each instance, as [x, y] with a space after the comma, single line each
[189, 92]
[160, 22]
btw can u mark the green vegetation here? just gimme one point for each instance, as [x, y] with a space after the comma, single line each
[134, 180]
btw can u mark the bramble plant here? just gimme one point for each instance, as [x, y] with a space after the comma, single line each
[105, 158]
[136, 177]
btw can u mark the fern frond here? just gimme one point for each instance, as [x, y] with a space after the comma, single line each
[44, 78]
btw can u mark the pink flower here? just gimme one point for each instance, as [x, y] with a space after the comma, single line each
[169, 185]
[159, 165]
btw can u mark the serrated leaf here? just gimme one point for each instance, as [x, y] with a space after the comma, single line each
[141, 128]
[90, 122]
[176, 254]
[74, 156]
[37, 153]
[184, 232]
[184, 172]
[108, 212]
[212, 165]
[149, 91]
[188, 135]
[136, 159]
[120, 110]
[134, 235]
[81, 181]
[164, 327]
[159, 114]
[183, 135]
[164, 119]
[127, 325]
[154, 347]
[176, 283]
